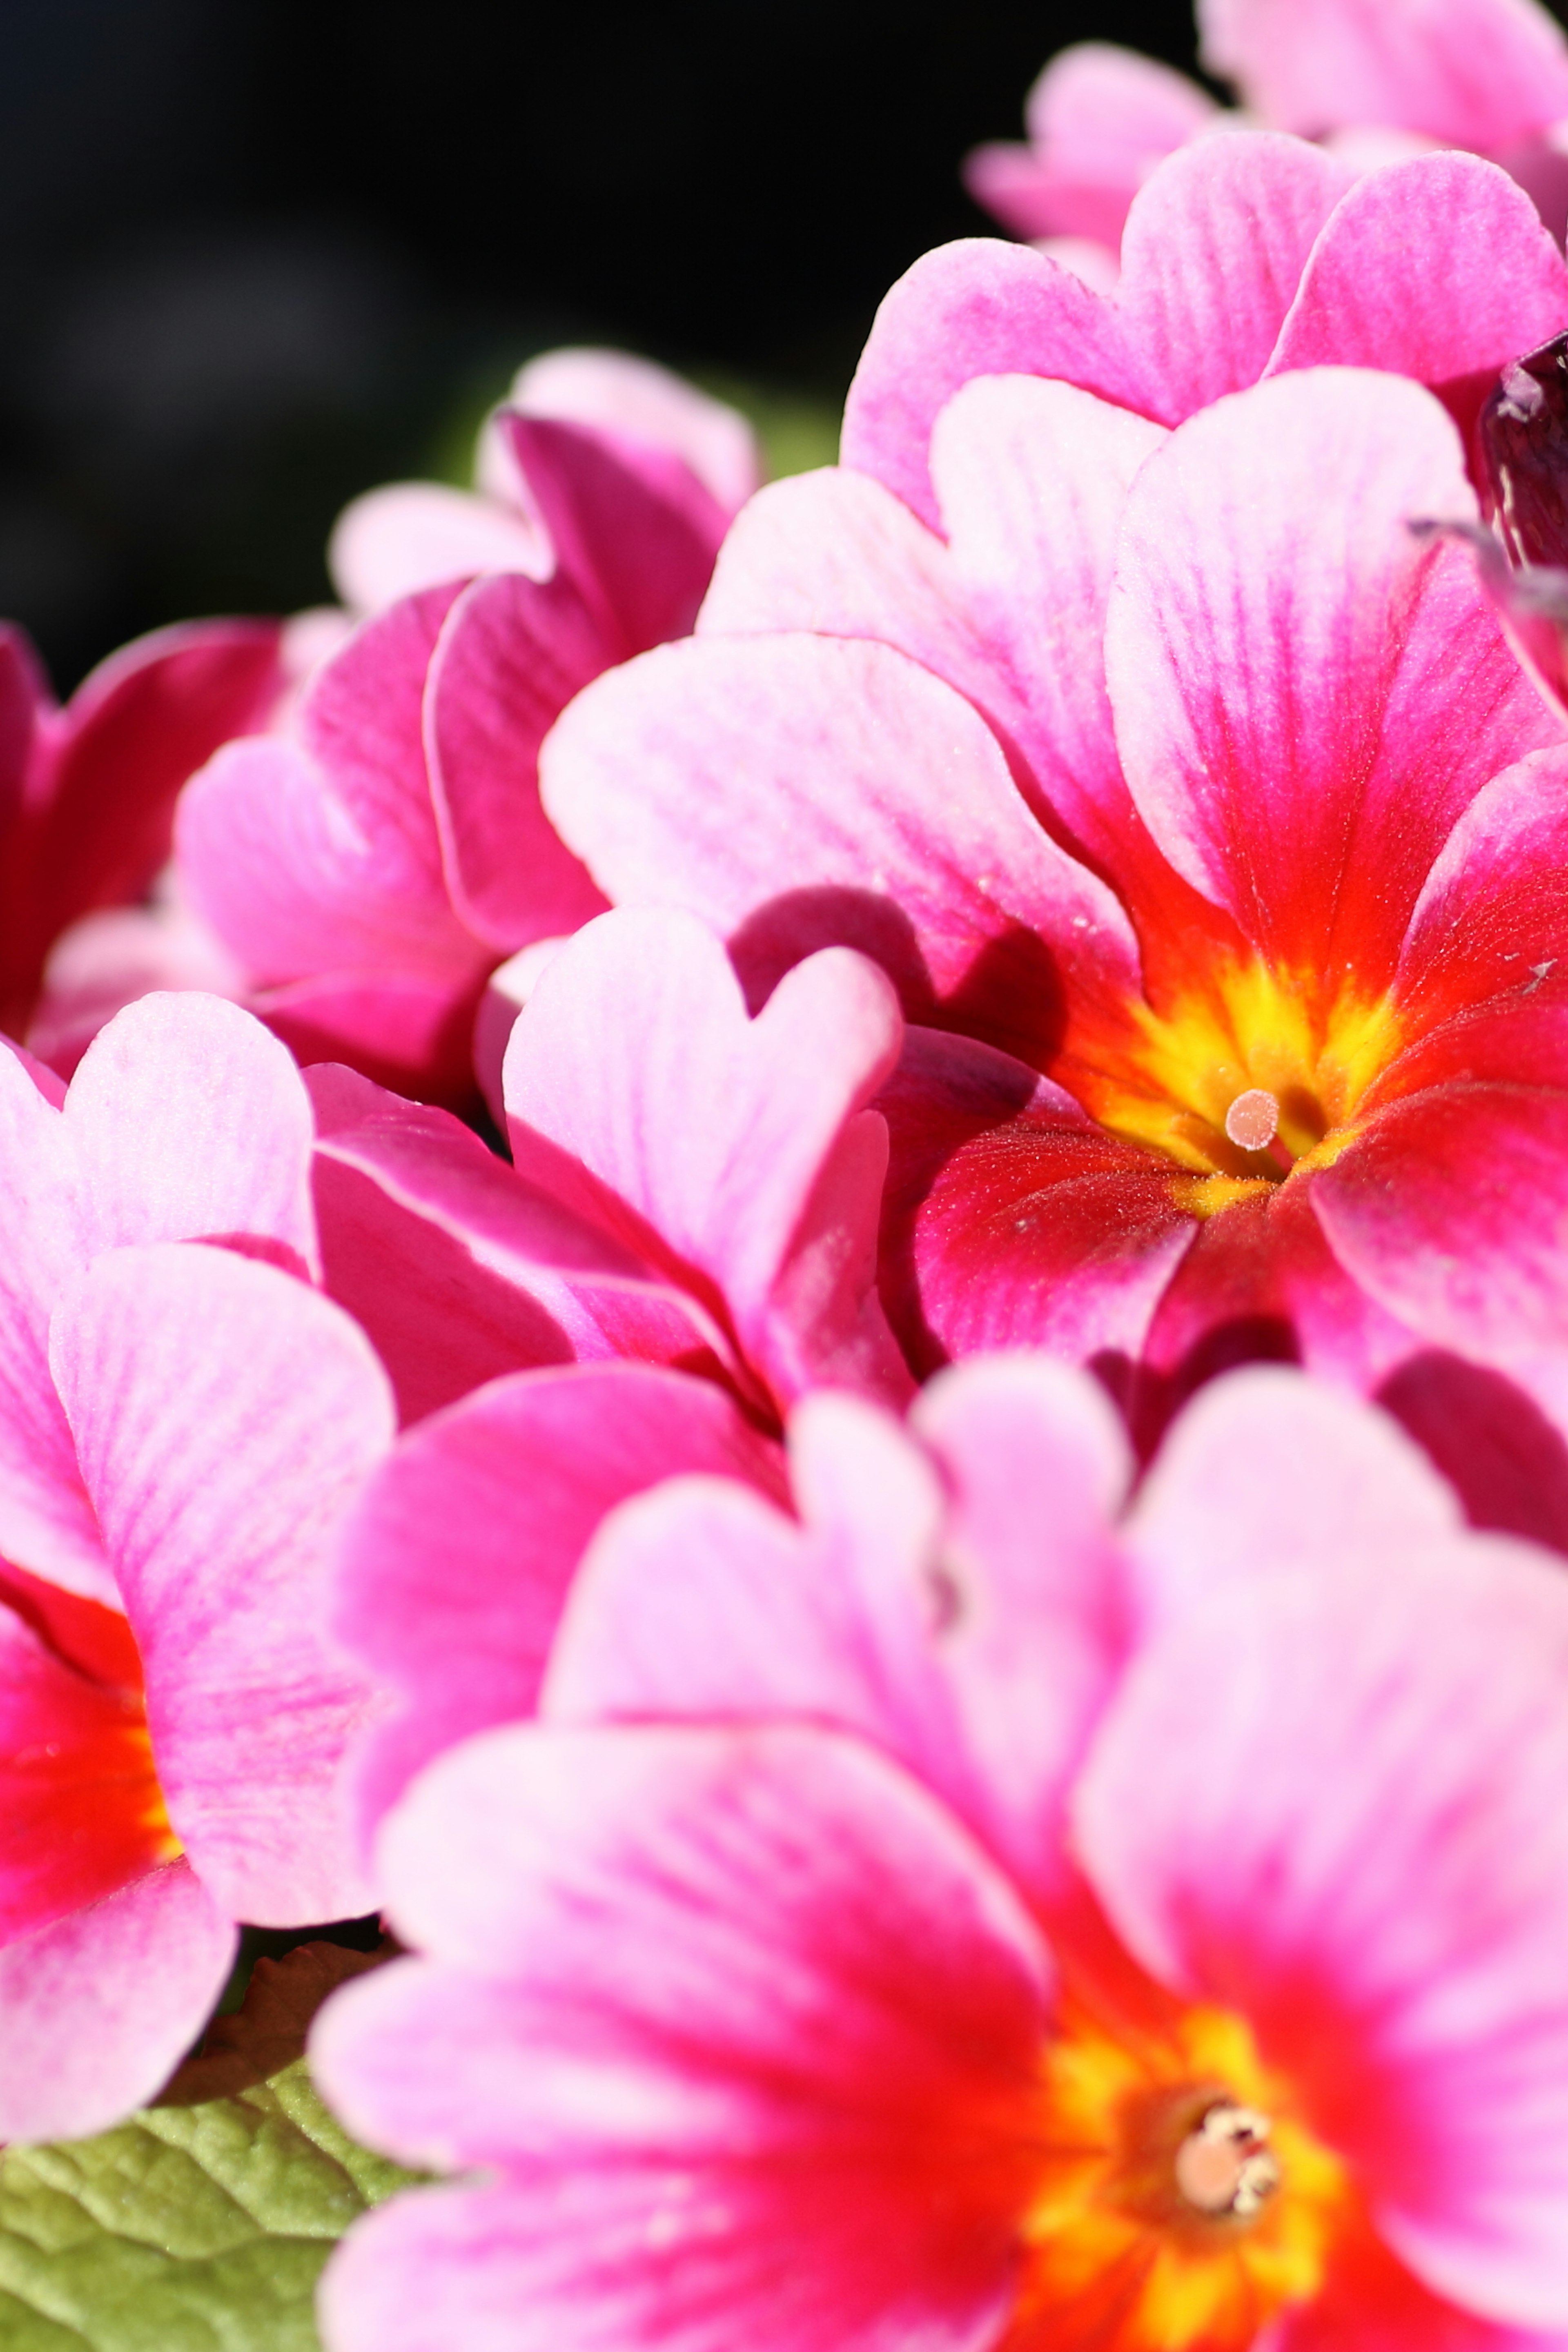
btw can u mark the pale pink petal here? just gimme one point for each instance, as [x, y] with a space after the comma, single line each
[45, 1520]
[1473, 73]
[1370, 298]
[507, 991]
[713, 1144]
[1306, 694]
[834, 2004]
[1018, 187]
[1214, 245]
[456, 1563]
[1032, 478]
[1212, 253]
[1333, 1801]
[1097, 265]
[971, 1636]
[189, 1122]
[625, 395]
[803, 790]
[98, 2010]
[1097, 104]
[512, 654]
[1267, 1472]
[106, 962]
[226, 1417]
[392, 542]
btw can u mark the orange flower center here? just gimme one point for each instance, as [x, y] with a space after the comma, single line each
[1250, 1073]
[81, 1809]
[1181, 2202]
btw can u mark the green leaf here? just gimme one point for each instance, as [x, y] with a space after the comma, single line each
[202, 2223]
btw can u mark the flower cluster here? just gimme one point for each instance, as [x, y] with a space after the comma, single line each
[795, 1260]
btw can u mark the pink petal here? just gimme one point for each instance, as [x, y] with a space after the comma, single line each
[407, 1029]
[190, 1123]
[99, 824]
[457, 1561]
[225, 1418]
[318, 855]
[1214, 245]
[1333, 1801]
[634, 530]
[1306, 695]
[712, 1143]
[801, 790]
[45, 1520]
[457, 1267]
[394, 543]
[1369, 297]
[1473, 73]
[642, 402]
[835, 2005]
[104, 963]
[97, 2011]
[1099, 106]
[1032, 478]
[970, 1638]
[1014, 1219]
[512, 654]
[1446, 1210]
[1266, 1473]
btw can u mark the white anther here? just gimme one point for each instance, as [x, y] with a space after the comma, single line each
[1253, 1120]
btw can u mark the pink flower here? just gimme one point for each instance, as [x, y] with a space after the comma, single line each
[367, 869]
[691, 451]
[184, 1422]
[87, 792]
[1374, 79]
[952, 1919]
[686, 1243]
[1245, 256]
[1213, 840]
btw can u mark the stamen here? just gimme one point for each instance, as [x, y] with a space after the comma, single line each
[1253, 1120]
[1227, 2166]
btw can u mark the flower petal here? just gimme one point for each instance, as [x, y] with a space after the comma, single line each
[1333, 1801]
[457, 1561]
[801, 790]
[835, 2006]
[98, 2010]
[512, 654]
[226, 1417]
[1306, 696]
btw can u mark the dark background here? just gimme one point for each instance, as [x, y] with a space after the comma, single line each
[257, 255]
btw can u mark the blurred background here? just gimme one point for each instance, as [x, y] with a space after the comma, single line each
[258, 255]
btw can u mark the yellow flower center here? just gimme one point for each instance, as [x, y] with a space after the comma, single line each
[1181, 2202]
[1247, 1075]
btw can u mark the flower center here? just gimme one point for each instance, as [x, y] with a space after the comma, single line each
[1246, 1075]
[79, 1794]
[1181, 2201]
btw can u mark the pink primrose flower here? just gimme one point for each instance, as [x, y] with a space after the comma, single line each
[962, 1916]
[184, 1422]
[368, 868]
[686, 1243]
[693, 453]
[1213, 839]
[87, 792]
[1244, 257]
[1374, 79]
